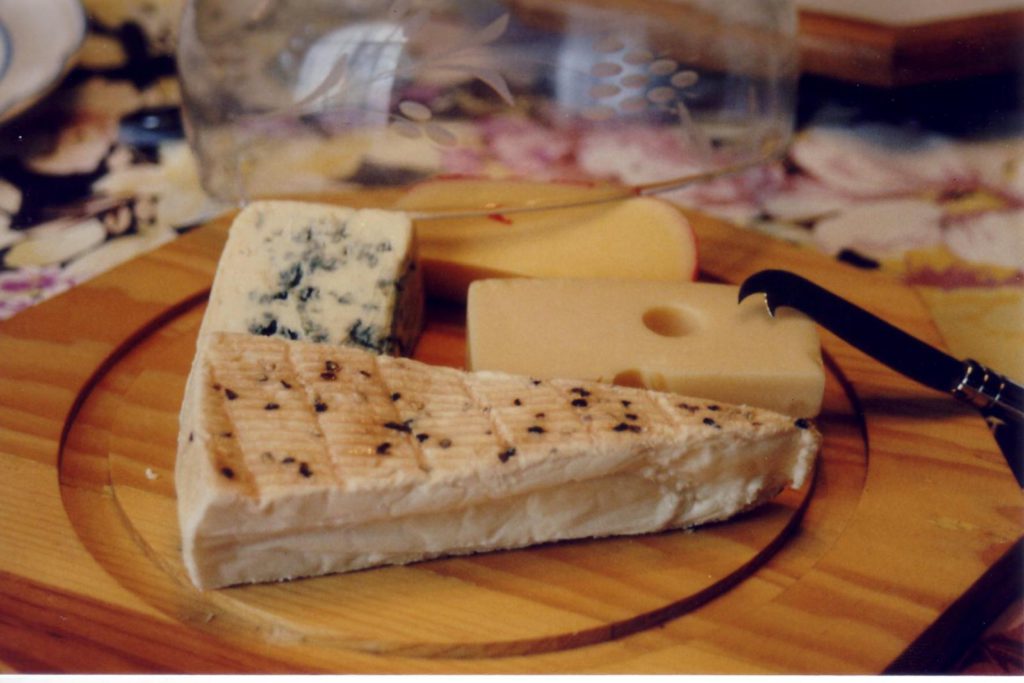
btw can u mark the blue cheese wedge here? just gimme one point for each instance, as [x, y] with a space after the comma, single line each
[307, 459]
[319, 273]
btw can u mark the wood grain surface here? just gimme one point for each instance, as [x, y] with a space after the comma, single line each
[893, 55]
[910, 530]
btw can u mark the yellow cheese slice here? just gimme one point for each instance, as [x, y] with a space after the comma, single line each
[635, 238]
[455, 194]
[688, 338]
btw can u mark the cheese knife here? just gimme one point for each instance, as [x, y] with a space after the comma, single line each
[998, 398]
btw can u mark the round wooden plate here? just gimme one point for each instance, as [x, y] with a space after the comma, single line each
[533, 600]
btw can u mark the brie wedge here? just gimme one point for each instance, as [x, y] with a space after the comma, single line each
[303, 459]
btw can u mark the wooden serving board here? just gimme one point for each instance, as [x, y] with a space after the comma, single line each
[885, 44]
[908, 535]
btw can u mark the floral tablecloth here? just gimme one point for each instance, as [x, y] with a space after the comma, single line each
[99, 172]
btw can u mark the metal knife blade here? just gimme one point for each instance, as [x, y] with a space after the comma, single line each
[995, 395]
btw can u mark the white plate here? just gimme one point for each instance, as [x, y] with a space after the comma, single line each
[38, 43]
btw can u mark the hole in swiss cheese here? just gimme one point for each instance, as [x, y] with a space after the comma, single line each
[669, 321]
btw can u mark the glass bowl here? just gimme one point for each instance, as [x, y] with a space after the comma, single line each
[296, 97]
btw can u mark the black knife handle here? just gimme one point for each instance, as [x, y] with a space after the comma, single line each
[991, 392]
[1010, 437]
[1000, 401]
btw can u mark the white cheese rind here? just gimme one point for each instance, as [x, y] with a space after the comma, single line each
[319, 273]
[284, 471]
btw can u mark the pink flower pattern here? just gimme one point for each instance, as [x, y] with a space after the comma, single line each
[26, 287]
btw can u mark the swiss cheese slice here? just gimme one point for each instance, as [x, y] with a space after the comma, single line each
[636, 238]
[690, 338]
[305, 459]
